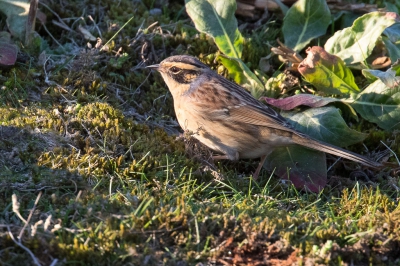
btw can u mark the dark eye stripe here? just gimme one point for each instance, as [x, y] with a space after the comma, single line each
[185, 76]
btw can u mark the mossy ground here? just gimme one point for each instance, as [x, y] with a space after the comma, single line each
[91, 136]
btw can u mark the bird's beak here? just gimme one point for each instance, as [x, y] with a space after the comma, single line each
[156, 67]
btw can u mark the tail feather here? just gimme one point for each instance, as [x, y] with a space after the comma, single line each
[332, 149]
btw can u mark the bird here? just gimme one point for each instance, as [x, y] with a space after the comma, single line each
[229, 120]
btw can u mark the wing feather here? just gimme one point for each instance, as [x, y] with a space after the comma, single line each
[234, 103]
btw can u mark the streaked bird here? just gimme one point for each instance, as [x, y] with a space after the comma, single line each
[229, 120]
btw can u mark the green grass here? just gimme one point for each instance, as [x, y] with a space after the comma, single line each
[89, 148]
[180, 218]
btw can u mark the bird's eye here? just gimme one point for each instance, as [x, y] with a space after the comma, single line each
[175, 70]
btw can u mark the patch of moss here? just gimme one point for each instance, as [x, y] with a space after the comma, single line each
[32, 117]
[109, 143]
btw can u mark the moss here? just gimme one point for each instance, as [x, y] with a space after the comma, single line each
[122, 147]
[31, 117]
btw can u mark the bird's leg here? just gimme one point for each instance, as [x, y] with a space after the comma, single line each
[232, 157]
[257, 172]
[220, 157]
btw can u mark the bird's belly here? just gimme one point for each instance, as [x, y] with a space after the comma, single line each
[264, 146]
[208, 133]
[237, 144]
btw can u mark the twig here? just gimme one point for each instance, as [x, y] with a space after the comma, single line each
[26, 222]
[395, 155]
[54, 39]
[35, 260]
[337, 160]
[95, 25]
[55, 14]
[54, 262]
[30, 215]
[15, 207]
[123, 26]
[30, 22]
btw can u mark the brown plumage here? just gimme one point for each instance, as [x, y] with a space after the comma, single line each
[226, 118]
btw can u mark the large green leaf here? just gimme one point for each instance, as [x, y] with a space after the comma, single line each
[392, 48]
[355, 44]
[393, 32]
[325, 124]
[242, 75]
[217, 18]
[305, 20]
[379, 104]
[17, 15]
[327, 72]
[305, 168]
[392, 41]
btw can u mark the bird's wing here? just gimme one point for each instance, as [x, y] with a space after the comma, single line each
[254, 115]
[221, 99]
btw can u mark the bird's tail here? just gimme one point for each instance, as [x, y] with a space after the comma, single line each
[332, 149]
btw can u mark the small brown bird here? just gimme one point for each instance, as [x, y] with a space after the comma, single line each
[226, 118]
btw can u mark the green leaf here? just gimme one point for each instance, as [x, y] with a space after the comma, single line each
[389, 77]
[242, 75]
[370, 74]
[379, 104]
[393, 32]
[327, 72]
[305, 20]
[392, 41]
[282, 6]
[305, 168]
[396, 67]
[391, 7]
[217, 19]
[17, 15]
[325, 124]
[355, 44]
[392, 48]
